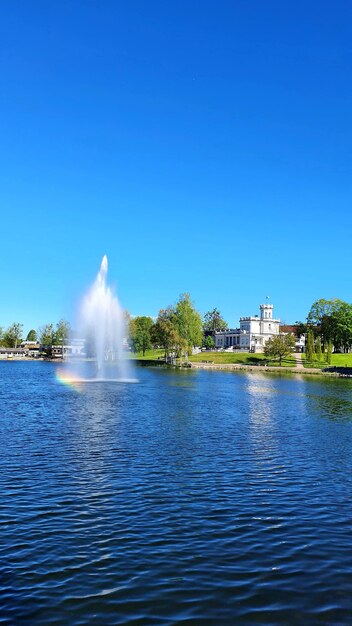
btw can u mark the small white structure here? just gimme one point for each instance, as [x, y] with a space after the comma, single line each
[252, 334]
[74, 349]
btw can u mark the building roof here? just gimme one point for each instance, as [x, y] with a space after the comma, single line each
[12, 350]
[288, 328]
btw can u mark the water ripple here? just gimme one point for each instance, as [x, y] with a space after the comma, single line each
[192, 498]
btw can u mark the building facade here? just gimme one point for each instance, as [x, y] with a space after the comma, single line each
[76, 348]
[252, 334]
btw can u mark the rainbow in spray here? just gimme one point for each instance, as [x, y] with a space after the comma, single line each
[65, 378]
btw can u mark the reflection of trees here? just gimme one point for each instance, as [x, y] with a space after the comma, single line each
[332, 407]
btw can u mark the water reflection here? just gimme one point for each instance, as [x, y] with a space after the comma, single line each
[259, 389]
[332, 407]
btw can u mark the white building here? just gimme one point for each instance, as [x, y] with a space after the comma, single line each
[252, 334]
[76, 348]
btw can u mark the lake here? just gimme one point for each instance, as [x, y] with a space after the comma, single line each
[193, 498]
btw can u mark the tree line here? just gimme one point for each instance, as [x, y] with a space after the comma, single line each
[47, 335]
[180, 327]
[177, 330]
[328, 329]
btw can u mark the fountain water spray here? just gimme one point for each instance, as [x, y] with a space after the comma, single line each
[101, 325]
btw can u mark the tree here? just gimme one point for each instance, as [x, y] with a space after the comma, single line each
[62, 333]
[332, 320]
[310, 354]
[32, 335]
[179, 328]
[322, 308]
[46, 334]
[279, 346]
[213, 321]
[320, 318]
[341, 327]
[1, 336]
[140, 333]
[188, 322]
[13, 335]
[318, 351]
[208, 342]
[301, 329]
[328, 352]
[164, 333]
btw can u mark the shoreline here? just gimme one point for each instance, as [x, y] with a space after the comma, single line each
[230, 367]
[264, 369]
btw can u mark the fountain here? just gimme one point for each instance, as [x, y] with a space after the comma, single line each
[101, 324]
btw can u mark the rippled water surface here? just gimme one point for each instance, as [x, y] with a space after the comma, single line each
[190, 498]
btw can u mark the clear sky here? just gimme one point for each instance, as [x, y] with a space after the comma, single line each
[203, 146]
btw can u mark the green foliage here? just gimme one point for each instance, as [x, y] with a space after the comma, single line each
[177, 329]
[323, 318]
[332, 321]
[164, 333]
[301, 329]
[62, 333]
[310, 353]
[188, 322]
[279, 346]
[321, 309]
[32, 335]
[213, 321]
[328, 352]
[49, 337]
[341, 327]
[140, 329]
[46, 334]
[318, 351]
[13, 335]
[208, 342]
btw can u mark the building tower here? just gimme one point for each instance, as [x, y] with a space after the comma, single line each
[266, 311]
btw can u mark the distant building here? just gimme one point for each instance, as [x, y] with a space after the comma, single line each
[253, 332]
[74, 349]
[300, 341]
[32, 348]
[13, 353]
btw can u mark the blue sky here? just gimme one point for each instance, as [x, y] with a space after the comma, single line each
[204, 147]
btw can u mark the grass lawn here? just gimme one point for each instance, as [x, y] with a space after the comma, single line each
[217, 357]
[239, 357]
[150, 355]
[340, 360]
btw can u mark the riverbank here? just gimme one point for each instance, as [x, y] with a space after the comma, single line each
[263, 369]
[146, 361]
[248, 362]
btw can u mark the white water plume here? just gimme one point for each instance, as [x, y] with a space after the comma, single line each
[101, 325]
